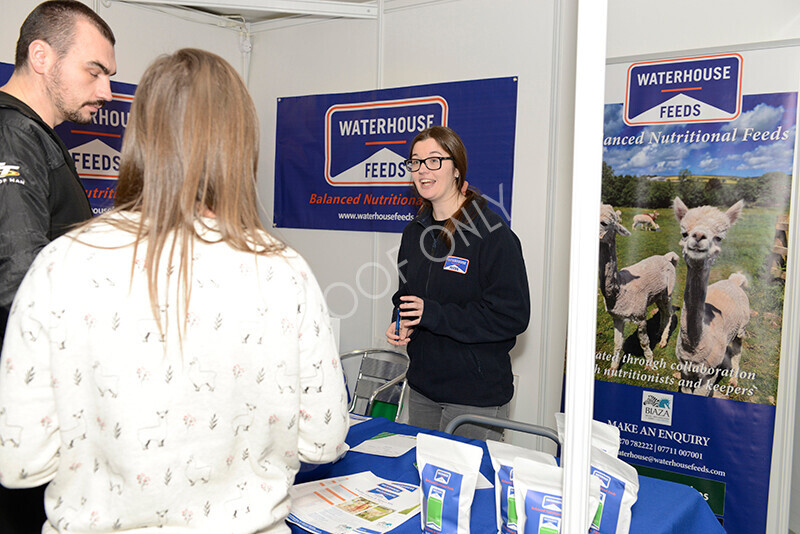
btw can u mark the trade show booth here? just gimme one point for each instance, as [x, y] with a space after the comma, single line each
[543, 93]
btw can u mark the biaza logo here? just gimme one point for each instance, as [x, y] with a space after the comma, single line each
[657, 408]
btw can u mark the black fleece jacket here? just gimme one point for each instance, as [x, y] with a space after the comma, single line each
[41, 196]
[476, 302]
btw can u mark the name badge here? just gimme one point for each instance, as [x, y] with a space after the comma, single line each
[456, 264]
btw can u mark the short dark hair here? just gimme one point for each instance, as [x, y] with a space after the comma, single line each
[54, 23]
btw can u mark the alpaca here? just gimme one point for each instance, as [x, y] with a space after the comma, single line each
[244, 420]
[201, 377]
[115, 481]
[69, 435]
[645, 220]
[313, 381]
[154, 434]
[628, 293]
[238, 505]
[713, 317]
[105, 383]
[197, 472]
[285, 380]
[9, 433]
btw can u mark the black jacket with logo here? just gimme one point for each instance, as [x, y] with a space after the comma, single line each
[41, 196]
[472, 311]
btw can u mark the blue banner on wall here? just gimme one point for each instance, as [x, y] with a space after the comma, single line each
[339, 157]
[95, 147]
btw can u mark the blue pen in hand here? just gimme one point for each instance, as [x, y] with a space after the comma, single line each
[397, 322]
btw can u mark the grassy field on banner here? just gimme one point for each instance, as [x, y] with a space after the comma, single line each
[746, 249]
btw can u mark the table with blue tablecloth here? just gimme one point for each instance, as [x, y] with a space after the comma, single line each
[662, 507]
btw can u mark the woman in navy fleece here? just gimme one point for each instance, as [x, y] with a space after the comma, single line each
[463, 293]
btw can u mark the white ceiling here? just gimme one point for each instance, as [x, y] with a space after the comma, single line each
[255, 11]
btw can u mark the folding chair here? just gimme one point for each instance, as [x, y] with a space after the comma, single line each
[502, 423]
[381, 382]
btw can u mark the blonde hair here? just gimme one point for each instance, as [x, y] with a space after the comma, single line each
[191, 146]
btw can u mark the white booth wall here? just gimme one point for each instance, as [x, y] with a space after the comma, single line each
[429, 42]
[142, 34]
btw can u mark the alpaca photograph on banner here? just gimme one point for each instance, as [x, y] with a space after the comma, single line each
[693, 302]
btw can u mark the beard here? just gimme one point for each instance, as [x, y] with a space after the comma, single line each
[56, 92]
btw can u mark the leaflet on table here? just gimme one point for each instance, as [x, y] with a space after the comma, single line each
[356, 418]
[356, 503]
[387, 444]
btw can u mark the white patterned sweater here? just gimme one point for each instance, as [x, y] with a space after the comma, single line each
[134, 434]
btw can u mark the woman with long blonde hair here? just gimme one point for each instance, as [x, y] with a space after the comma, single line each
[169, 364]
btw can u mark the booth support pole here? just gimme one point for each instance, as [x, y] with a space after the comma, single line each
[582, 322]
[780, 481]
[377, 320]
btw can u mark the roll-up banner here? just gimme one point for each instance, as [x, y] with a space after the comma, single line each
[698, 157]
[339, 157]
[95, 147]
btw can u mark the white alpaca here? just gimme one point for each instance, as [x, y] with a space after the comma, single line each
[244, 420]
[644, 220]
[105, 383]
[58, 330]
[76, 432]
[628, 293]
[9, 433]
[31, 328]
[154, 434]
[201, 377]
[250, 332]
[197, 473]
[149, 332]
[115, 480]
[713, 317]
[284, 379]
[313, 381]
[238, 505]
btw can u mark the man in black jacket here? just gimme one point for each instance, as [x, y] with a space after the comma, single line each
[63, 61]
[64, 57]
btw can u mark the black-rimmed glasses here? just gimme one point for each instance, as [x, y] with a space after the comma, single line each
[433, 163]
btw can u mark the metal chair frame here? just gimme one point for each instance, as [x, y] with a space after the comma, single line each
[503, 423]
[383, 387]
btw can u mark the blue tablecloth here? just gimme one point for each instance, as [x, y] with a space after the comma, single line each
[662, 507]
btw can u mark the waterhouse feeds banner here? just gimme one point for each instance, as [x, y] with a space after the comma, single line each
[339, 157]
[696, 182]
[95, 147]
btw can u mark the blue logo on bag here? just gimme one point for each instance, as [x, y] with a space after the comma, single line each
[552, 503]
[456, 264]
[699, 89]
[442, 476]
[605, 479]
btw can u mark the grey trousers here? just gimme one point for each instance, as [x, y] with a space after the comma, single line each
[425, 413]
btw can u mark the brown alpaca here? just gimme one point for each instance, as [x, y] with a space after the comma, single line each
[713, 317]
[628, 293]
[646, 221]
